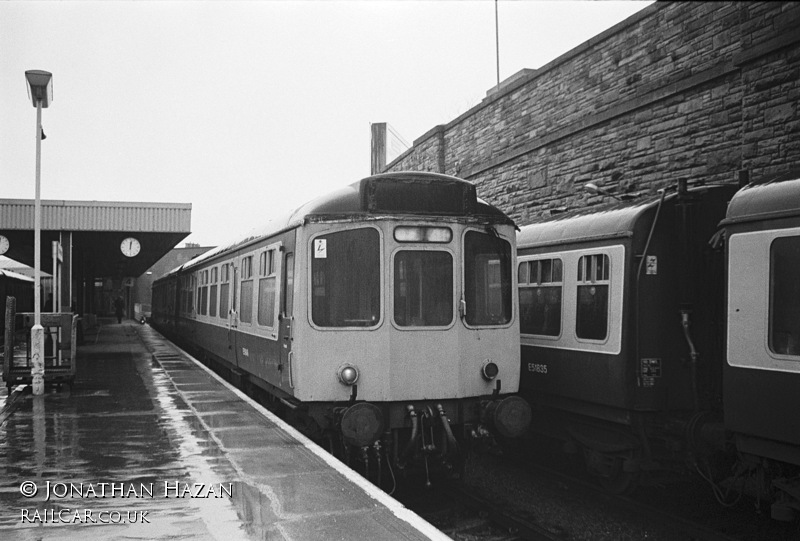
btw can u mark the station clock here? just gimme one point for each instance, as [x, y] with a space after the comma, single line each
[130, 247]
[4, 244]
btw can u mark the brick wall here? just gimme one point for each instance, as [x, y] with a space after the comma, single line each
[703, 91]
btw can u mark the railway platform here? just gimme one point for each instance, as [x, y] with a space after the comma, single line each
[149, 444]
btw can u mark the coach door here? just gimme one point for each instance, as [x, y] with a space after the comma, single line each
[287, 322]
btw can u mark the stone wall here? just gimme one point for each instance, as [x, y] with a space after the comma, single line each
[703, 91]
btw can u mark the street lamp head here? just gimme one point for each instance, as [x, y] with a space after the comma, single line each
[40, 87]
[593, 188]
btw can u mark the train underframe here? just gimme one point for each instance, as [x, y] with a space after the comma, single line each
[390, 441]
[417, 438]
[650, 445]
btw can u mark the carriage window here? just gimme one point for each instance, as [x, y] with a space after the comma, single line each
[784, 296]
[266, 289]
[182, 293]
[487, 277]
[423, 288]
[212, 295]
[540, 285]
[224, 290]
[592, 309]
[199, 293]
[202, 296]
[190, 295]
[246, 295]
[187, 294]
[346, 279]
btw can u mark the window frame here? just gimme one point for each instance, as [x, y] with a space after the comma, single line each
[213, 301]
[202, 293]
[528, 284]
[512, 280]
[309, 248]
[271, 255]
[771, 319]
[224, 281]
[588, 277]
[192, 308]
[246, 264]
[568, 340]
[390, 291]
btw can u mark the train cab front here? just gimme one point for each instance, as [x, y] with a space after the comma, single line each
[429, 437]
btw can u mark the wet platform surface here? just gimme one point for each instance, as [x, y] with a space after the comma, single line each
[150, 445]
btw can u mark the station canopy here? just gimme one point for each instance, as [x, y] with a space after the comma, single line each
[95, 231]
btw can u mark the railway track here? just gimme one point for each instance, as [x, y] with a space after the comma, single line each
[678, 509]
[466, 516]
[503, 500]
[498, 517]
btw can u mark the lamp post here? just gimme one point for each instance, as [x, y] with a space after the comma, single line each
[40, 90]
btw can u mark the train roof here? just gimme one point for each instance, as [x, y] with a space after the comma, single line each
[610, 221]
[16, 276]
[772, 200]
[375, 196]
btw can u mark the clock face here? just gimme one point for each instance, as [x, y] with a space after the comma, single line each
[130, 247]
[4, 244]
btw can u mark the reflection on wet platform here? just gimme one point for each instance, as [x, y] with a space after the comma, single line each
[148, 450]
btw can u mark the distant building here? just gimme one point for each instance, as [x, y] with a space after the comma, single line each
[141, 293]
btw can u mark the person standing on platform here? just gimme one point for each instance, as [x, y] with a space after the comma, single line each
[118, 308]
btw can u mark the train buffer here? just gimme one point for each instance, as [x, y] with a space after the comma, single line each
[60, 346]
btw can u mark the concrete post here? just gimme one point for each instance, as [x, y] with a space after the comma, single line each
[37, 331]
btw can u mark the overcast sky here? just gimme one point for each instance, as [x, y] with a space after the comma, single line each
[248, 109]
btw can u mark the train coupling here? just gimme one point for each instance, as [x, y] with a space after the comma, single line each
[510, 416]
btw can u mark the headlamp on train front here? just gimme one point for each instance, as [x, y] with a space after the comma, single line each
[347, 374]
[489, 370]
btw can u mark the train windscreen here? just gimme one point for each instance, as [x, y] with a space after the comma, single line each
[487, 276]
[346, 288]
[423, 288]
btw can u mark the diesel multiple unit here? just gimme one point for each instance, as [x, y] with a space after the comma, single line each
[383, 315]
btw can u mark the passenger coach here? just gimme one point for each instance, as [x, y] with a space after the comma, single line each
[762, 372]
[383, 312]
[621, 316]
[664, 334]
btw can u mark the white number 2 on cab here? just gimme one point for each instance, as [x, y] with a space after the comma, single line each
[320, 248]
